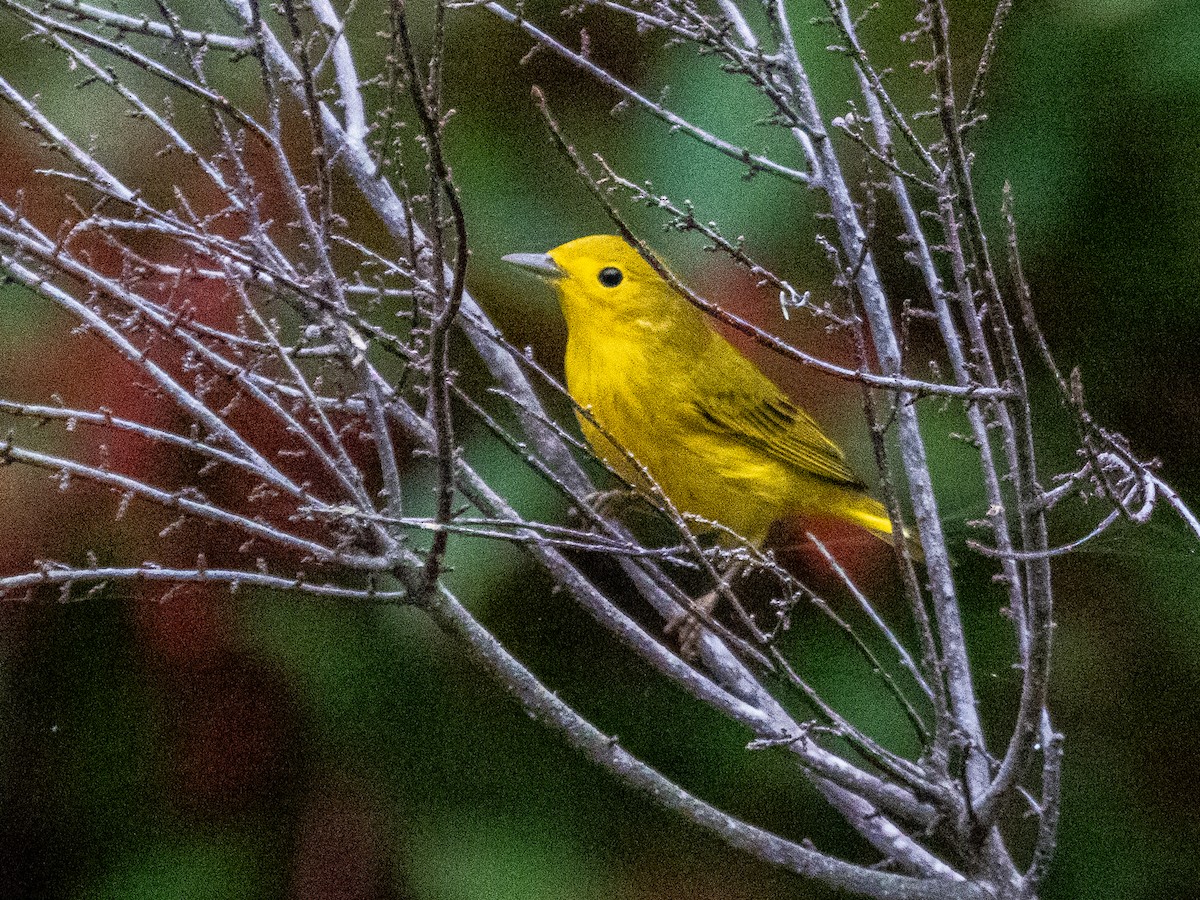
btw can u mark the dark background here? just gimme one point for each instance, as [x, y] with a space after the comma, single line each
[195, 746]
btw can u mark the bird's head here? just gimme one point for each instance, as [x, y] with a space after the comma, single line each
[603, 282]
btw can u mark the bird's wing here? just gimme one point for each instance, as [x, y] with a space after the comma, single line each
[768, 421]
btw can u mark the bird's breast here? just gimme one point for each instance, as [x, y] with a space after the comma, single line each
[623, 386]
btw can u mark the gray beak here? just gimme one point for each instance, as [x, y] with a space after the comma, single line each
[538, 263]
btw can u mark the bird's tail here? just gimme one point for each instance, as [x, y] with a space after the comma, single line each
[869, 513]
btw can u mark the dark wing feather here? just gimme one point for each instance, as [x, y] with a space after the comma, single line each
[774, 425]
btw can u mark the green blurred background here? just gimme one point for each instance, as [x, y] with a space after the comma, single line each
[196, 747]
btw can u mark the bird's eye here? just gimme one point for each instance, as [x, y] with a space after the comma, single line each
[611, 277]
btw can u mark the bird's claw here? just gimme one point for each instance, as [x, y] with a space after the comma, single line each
[608, 503]
[688, 627]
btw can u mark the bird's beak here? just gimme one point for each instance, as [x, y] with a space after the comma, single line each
[539, 264]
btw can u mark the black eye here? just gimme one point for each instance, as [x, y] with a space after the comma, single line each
[611, 277]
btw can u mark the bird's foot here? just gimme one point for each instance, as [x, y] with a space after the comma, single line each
[611, 503]
[688, 626]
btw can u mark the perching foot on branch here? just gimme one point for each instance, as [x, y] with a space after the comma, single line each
[612, 503]
[688, 626]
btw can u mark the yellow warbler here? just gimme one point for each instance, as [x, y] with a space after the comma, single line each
[719, 438]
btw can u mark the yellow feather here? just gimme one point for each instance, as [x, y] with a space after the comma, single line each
[719, 438]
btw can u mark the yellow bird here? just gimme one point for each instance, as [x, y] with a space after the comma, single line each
[719, 438]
